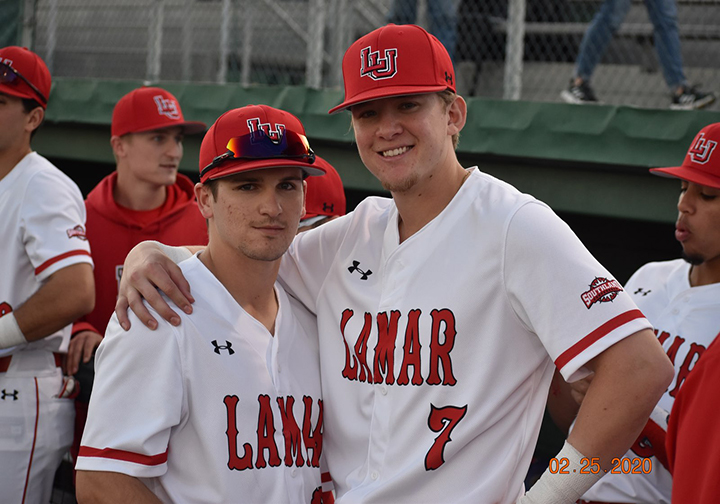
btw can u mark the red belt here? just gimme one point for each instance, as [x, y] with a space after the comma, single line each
[5, 361]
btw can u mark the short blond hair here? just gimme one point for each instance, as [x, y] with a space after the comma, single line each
[448, 97]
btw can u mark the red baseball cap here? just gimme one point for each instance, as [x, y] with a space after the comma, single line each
[27, 76]
[395, 60]
[702, 161]
[150, 108]
[326, 194]
[255, 137]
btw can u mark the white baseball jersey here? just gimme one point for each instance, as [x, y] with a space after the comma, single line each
[41, 231]
[216, 410]
[437, 353]
[686, 320]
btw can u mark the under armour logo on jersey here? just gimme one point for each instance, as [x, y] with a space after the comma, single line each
[273, 134]
[6, 394]
[702, 149]
[375, 67]
[642, 292]
[328, 207]
[227, 346]
[167, 107]
[354, 267]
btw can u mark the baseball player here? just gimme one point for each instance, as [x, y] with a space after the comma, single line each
[325, 199]
[47, 282]
[682, 300]
[443, 311]
[228, 407]
[145, 198]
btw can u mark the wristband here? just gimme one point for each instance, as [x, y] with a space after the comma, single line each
[10, 333]
[175, 254]
[562, 488]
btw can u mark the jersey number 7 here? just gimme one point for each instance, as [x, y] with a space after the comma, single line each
[442, 420]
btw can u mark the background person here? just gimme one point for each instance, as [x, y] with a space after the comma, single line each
[47, 282]
[612, 13]
[145, 198]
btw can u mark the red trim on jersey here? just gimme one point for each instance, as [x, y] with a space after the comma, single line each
[83, 326]
[32, 450]
[55, 259]
[136, 458]
[594, 336]
[325, 477]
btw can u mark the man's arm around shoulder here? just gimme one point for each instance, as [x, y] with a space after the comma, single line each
[110, 487]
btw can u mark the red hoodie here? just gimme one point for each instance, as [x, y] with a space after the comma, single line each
[113, 230]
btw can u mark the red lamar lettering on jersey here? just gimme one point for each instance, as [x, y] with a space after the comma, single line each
[693, 355]
[383, 363]
[311, 438]
[651, 441]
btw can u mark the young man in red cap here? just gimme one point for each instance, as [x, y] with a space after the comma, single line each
[684, 298]
[443, 311]
[226, 407]
[325, 200]
[144, 199]
[47, 282]
[681, 298]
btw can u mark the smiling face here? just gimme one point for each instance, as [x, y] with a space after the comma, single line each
[404, 141]
[698, 223]
[150, 157]
[256, 213]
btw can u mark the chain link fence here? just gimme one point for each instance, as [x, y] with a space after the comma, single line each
[512, 49]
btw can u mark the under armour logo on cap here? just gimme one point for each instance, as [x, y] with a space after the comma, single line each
[167, 107]
[701, 149]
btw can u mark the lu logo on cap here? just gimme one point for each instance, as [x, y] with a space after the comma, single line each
[167, 107]
[700, 165]
[701, 149]
[375, 67]
[273, 134]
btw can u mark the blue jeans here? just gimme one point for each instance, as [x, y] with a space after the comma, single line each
[442, 16]
[612, 13]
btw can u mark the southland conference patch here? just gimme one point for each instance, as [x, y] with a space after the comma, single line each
[602, 290]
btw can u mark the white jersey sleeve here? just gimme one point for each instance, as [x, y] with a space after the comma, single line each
[52, 223]
[317, 248]
[562, 293]
[139, 382]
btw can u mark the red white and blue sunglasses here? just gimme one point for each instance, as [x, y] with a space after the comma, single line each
[8, 75]
[258, 145]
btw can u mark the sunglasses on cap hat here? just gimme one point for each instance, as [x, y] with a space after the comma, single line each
[258, 145]
[8, 75]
